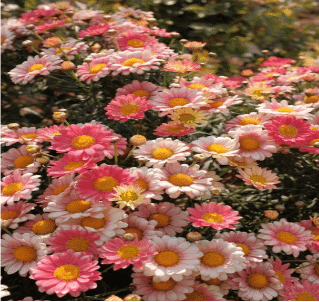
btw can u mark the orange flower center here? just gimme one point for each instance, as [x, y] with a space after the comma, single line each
[9, 215]
[257, 281]
[128, 109]
[196, 86]
[216, 148]
[11, 189]
[164, 286]
[286, 237]
[213, 281]
[249, 143]
[287, 130]
[105, 183]
[43, 227]
[142, 93]
[29, 135]
[25, 253]
[135, 43]
[58, 190]
[83, 141]
[130, 62]
[180, 179]
[312, 99]
[187, 118]
[67, 272]
[285, 109]
[280, 276]
[35, 67]
[78, 206]
[196, 296]
[167, 258]
[128, 251]
[73, 165]
[249, 121]
[213, 217]
[97, 67]
[245, 248]
[213, 259]
[163, 220]
[304, 296]
[92, 222]
[215, 104]
[258, 179]
[136, 231]
[142, 184]
[162, 153]
[78, 244]
[177, 102]
[23, 161]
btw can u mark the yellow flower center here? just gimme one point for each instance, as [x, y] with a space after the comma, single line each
[164, 286]
[257, 281]
[196, 296]
[304, 296]
[25, 253]
[135, 43]
[285, 109]
[29, 135]
[249, 143]
[67, 272]
[177, 102]
[23, 161]
[58, 190]
[315, 232]
[287, 130]
[187, 118]
[83, 141]
[313, 142]
[130, 62]
[214, 281]
[128, 196]
[128, 109]
[105, 183]
[128, 251]
[312, 99]
[64, 48]
[162, 153]
[78, 244]
[216, 148]
[78, 206]
[97, 67]
[163, 220]
[213, 217]
[73, 165]
[11, 189]
[316, 269]
[142, 93]
[9, 215]
[286, 237]
[213, 259]
[3, 39]
[196, 86]
[43, 227]
[136, 231]
[167, 258]
[245, 248]
[215, 104]
[175, 129]
[92, 222]
[258, 179]
[180, 179]
[35, 67]
[249, 121]
[280, 276]
[142, 184]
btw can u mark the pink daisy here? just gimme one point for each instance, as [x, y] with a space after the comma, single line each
[7, 38]
[285, 236]
[13, 214]
[289, 130]
[169, 290]
[274, 61]
[215, 215]
[261, 178]
[33, 67]
[50, 26]
[258, 90]
[203, 292]
[24, 135]
[170, 218]
[178, 179]
[182, 66]
[99, 183]
[20, 252]
[221, 286]
[174, 258]
[173, 129]
[282, 271]
[94, 30]
[254, 142]
[161, 151]
[301, 291]
[132, 40]
[124, 253]
[66, 273]
[18, 186]
[198, 83]
[48, 133]
[162, 51]
[309, 270]
[313, 246]
[310, 141]
[125, 107]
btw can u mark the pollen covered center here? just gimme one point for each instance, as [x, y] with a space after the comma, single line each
[128, 251]
[280, 276]
[105, 183]
[245, 248]
[78, 244]
[128, 196]
[285, 109]
[43, 227]
[286, 237]
[142, 93]
[257, 281]
[258, 179]
[249, 121]
[12, 188]
[9, 215]
[35, 67]
[162, 153]
[73, 165]
[25, 253]
[97, 67]
[304, 296]
[213, 259]
[177, 102]
[180, 179]
[29, 135]
[196, 86]
[83, 141]
[196, 296]
[92, 222]
[142, 184]
[67, 272]
[78, 206]
[58, 190]
[187, 118]
[216, 148]
[135, 43]
[215, 104]
[164, 286]
[130, 62]
[167, 258]
[163, 220]
[23, 161]
[136, 231]
[287, 130]
[128, 109]
[213, 217]
[249, 143]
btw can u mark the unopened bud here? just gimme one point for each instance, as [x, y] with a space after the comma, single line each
[202, 64]
[27, 43]
[265, 52]
[107, 17]
[151, 21]
[194, 236]
[271, 215]
[183, 41]
[175, 85]
[132, 297]
[128, 236]
[69, 13]
[246, 73]
[280, 207]
[96, 47]
[137, 140]
[316, 145]
[175, 35]
[112, 32]
[199, 158]
[13, 126]
[59, 116]
[68, 66]
[32, 148]
[30, 27]
[43, 159]
[52, 42]
[299, 204]
[10, 167]
[212, 54]
[88, 61]
[115, 140]
[113, 298]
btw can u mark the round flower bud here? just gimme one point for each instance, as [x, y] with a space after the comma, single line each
[13, 126]
[194, 236]
[68, 66]
[113, 298]
[30, 27]
[112, 32]
[199, 158]
[59, 116]
[299, 204]
[316, 144]
[271, 215]
[128, 237]
[175, 35]
[151, 21]
[32, 148]
[132, 297]
[69, 13]
[43, 159]
[107, 17]
[96, 47]
[137, 140]
[52, 42]
[265, 52]
[183, 41]
[212, 54]
[247, 73]
[280, 207]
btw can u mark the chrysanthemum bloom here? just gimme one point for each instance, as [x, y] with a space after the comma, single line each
[132, 40]
[274, 61]
[285, 236]
[220, 258]
[33, 67]
[217, 147]
[310, 141]
[300, 291]
[141, 89]
[261, 178]
[126, 107]
[174, 98]
[86, 140]
[18, 186]
[174, 258]
[124, 253]
[94, 30]
[258, 90]
[7, 37]
[203, 292]
[48, 133]
[99, 183]
[282, 271]
[182, 66]
[13, 214]
[160, 151]
[26, 134]
[309, 270]
[253, 248]
[66, 273]
[20, 252]
[257, 283]
[289, 130]
[254, 142]
[313, 246]
[173, 129]
[170, 218]
[178, 179]
[189, 117]
[50, 26]
[215, 215]
[169, 290]
[127, 62]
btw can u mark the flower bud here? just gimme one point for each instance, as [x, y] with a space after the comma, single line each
[132, 297]
[183, 41]
[128, 236]
[280, 207]
[112, 32]
[212, 55]
[199, 158]
[53, 42]
[246, 73]
[113, 298]
[137, 140]
[96, 47]
[43, 159]
[115, 140]
[271, 215]
[13, 126]
[299, 204]
[316, 145]
[69, 13]
[151, 21]
[175, 35]
[30, 27]
[32, 148]
[194, 236]
[67, 66]
[59, 116]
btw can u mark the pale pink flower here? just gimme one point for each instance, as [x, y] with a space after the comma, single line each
[220, 105]
[132, 40]
[283, 273]
[26, 135]
[310, 141]
[50, 26]
[301, 291]
[181, 66]
[7, 38]
[48, 133]
[204, 292]
[274, 61]
[94, 30]
[309, 270]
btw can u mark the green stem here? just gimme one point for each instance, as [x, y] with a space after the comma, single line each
[115, 154]
[107, 269]
[7, 231]
[129, 154]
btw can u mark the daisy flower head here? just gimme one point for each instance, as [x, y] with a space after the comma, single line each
[3, 290]
[283, 273]
[66, 273]
[220, 258]
[98, 184]
[123, 253]
[126, 107]
[172, 129]
[28, 70]
[261, 178]
[20, 252]
[253, 248]
[188, 117]
[310, 141]
[161, 151]
[18, 186]
[285, 236]
[170, 219]
[174, 258]
[204, 292]
[309, 270]
[313, 246]
[217, 147]
[181, 66]
[132, 40]
[219, 105]
[215, 215]
[301, 291]
[254, 142]
[221, 286]
[126, 62]
[52, 25]
[48, 133]
[274, 61]
[258, 90]
[162, 51]
[23, 135]
[7, 38]
[289, 130]
[178, 179]
[94, 30]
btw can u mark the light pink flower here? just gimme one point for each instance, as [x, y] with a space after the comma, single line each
[7, 38]
[26, 135]
[181, 66]
[94, 30]
[301, 291]
[173, 129]
[274, 61]
[282, 271]
[203, 292]
[132, 40]
[48, 133]
[309, 270]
